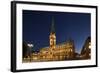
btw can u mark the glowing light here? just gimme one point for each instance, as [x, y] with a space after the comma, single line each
[89, 45]
[35, 58]
[30, 45]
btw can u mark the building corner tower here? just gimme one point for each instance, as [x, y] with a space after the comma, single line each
[52, 36]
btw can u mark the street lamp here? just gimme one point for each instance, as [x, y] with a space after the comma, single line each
[30, 45]
[30, 49]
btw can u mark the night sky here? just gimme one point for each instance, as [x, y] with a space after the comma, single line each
[37, 27]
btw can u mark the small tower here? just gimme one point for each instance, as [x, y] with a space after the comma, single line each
[52, 36]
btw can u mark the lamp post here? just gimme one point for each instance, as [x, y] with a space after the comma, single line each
[30, 50]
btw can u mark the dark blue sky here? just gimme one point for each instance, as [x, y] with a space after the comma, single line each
[37, 25]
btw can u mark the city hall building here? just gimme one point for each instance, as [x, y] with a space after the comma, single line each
[55, 52]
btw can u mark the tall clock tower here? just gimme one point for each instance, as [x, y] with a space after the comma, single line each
[52, 36]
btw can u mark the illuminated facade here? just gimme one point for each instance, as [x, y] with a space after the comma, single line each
[55, 52]
[52, 37]
[86, 50]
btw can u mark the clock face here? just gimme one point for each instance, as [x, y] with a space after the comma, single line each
[51, 41]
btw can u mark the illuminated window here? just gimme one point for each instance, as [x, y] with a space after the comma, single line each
[35, 58]
[89, 54]
[89, 45]
[71, 50]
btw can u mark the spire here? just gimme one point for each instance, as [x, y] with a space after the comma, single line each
[52, 26]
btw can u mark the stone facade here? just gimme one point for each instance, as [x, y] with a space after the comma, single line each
[54, 52]
[86, 50]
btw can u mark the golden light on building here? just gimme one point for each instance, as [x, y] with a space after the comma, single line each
[89, 45]
[55, 52]
[52, 36]
[86, 50]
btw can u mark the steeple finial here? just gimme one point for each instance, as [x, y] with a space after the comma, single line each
[52, 26]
